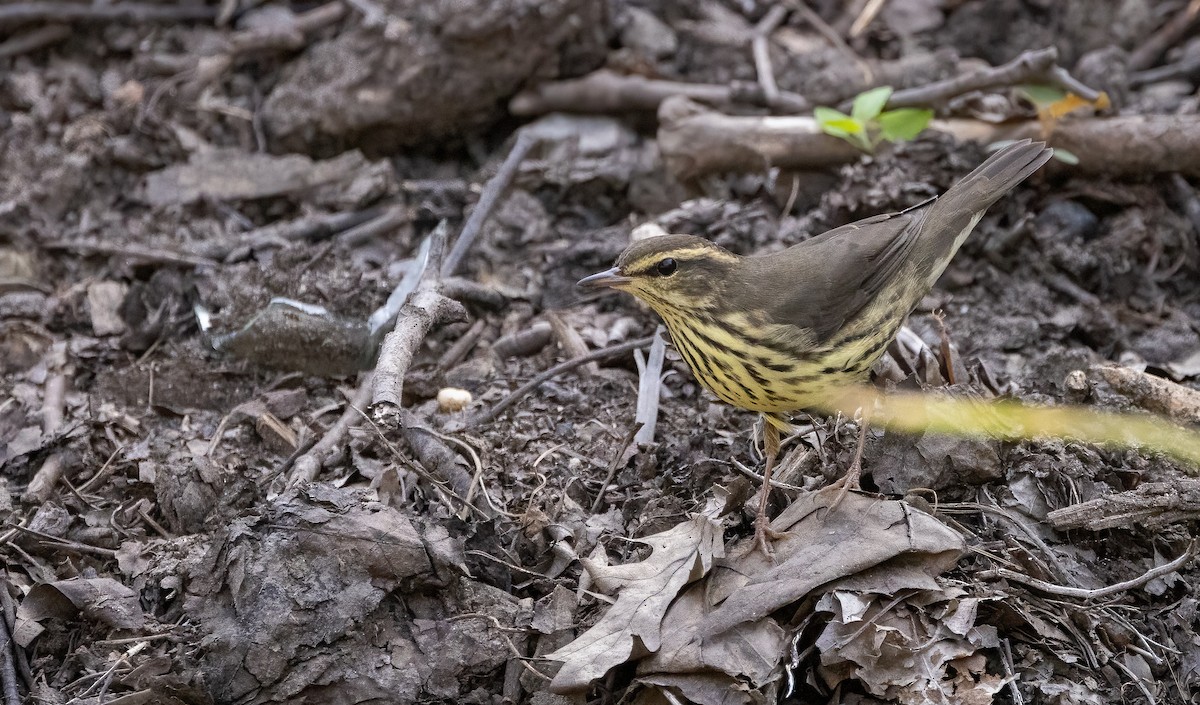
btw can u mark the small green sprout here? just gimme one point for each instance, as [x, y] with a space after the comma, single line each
[868, 123]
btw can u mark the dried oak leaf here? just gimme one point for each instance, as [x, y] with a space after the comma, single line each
[821, 546]
[645, 590]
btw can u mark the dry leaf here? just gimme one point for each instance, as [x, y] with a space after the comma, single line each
[645, 590]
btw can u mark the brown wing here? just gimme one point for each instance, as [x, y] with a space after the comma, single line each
[824, 282]
[828, 280]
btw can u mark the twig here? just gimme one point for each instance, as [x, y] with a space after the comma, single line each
[382, 224]
[604, 91]
[437, 457]
[650, 388]
[8, 668]
[491, 413]
[149, 255]
[471, 291]
[194, 72]
[1097, 593]
[1144, 56]
[310, 228]
[9, 616]
[47, 477]
[1186, 67]
[412, 424]
[425, 308]
[1009, 672]
[1033, 65]
[104, 471]
[34, 39]
[126, 12]
[496, 186]
[455, 353]
[866, 17]
[477, 478]
[308, 466]
[761, 48]
[61, 543]
[1157, 394]
[776, 484]
[1137, 681]
[614, 464]
[290, 38]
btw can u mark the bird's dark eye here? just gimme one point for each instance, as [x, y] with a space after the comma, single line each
[667, 267]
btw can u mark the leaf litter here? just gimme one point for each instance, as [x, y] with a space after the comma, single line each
[706, 625]
[167, 562]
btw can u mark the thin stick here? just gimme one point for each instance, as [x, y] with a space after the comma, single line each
[489, 414]
[149, 255]
[1036, 64]
[866, 17]
[34, 39]
[1006, 653]
[309, 465]
[497, 185]
[761, 48]
[8, 667]
[309, 228]
[1144, 56]
[1097, 593]
[605, 91]
[776, 484]
[614, 464]
[50, 473]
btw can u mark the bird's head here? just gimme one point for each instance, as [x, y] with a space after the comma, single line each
[669, 272]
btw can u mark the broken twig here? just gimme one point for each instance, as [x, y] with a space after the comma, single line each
[424, 309]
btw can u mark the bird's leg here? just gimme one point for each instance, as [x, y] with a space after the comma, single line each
[762, 523]
[849, 481]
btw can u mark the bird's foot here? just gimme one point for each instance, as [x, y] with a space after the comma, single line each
[849, 481]
[843, 486]
[763, 534]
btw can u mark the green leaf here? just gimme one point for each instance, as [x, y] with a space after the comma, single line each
[848, 125]
[824, 116]
[904, 123]
[1065, 157]
[836, 123]
[869, 104]
[1042, 95]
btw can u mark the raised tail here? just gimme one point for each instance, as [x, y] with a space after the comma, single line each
[954, 214]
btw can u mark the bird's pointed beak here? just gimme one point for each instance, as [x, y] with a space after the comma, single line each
[610, 278]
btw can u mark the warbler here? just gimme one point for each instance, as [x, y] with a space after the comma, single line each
[774, 333]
